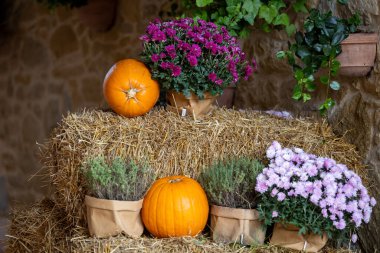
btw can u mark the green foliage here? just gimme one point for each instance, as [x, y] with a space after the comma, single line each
[238, 15]
[52, 4]
[117, 180]
[316, 49]
[232, 183]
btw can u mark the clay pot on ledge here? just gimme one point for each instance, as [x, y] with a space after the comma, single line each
[98, 15]
[190, 106]
[358, 54]
[227, 98]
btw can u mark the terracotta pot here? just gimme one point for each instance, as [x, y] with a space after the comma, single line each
[358, 54]
[227, 98]
[98, 15]
[111, 217]
[230, 225]
[192, 105]
[287, 236]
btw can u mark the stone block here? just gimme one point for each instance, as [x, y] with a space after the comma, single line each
[63, 41]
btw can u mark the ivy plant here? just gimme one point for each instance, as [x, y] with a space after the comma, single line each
[238, 15]
[314, 52]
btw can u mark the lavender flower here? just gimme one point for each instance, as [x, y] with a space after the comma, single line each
[332, 188]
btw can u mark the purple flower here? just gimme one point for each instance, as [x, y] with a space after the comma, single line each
[144, 38]
[176, 70]
[218, 38]
[261, 187]
[155, 58]
[192, 60]
[170, 32]
[162, 55]
[281, 196]
[373, 201]
[248, 72]
[165, 65]
[274, 214]
[354, 238]
[219, 81]
[170, 49]
[274, 192]
[159, 36]
[195, 50]
[212, 77]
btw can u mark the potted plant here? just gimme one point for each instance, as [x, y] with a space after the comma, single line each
[193, 60]
[310, 199]
[315, 52]
[229, 186]
[99, 15]
[115, 195]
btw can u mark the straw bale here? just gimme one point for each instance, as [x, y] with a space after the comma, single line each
[39, 228]
[176, 145]
[200, 244]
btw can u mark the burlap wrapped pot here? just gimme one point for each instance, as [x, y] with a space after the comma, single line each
[230, 225]
[111, 217]
[287, 236]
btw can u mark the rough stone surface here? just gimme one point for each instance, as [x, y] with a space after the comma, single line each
[51, 63]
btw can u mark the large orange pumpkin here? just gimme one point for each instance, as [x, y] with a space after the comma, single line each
[175, 206]
[129, 89]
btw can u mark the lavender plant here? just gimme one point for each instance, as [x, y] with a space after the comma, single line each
[231, 183]
[194, 56]
[314, 193]
[117, 180]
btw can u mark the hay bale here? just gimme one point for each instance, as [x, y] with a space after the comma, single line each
[200, 244]
[175, 145]
[39, 228]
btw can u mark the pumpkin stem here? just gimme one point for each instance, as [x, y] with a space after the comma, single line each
[131, 93]
[175, 180]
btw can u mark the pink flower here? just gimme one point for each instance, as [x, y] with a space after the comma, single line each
[155, 57]
[219, 82]
[212, 77]
[354, 238]
[281, 196]
[192, 60]
[195, 50]
[176, 70]
[274, 214]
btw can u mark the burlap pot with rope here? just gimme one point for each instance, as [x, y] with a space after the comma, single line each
[287, 236]
[229, 225]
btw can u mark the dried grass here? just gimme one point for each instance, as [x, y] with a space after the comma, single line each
[40, 229]
[175, 145]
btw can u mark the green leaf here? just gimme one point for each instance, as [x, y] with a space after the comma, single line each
[249, 18]
[265, 27]
[311, 87]
[290, 29]
[268, 13]
[303, 52]
[337, 38]
[299, 6]
[278, 4]
[306, 97]
[203, 3]
[244, 33]
[343, 1]
[297, 95]
[282, 19]
[334, 85]
[324, 79]
[298, 75]
[280, 54]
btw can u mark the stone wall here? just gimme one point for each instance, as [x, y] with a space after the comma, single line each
[52, 64]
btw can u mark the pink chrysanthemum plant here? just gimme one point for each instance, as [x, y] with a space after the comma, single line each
[313, 193]
[194, 56]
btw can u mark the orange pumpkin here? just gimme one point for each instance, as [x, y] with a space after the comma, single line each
[129, 89]
[175, 206]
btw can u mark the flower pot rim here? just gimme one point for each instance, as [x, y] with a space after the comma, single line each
[234, 213]
[361, 38]
[207, 95]
[109, 204]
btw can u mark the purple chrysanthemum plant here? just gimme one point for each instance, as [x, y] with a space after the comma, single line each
[194, 56]
[314, 193]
